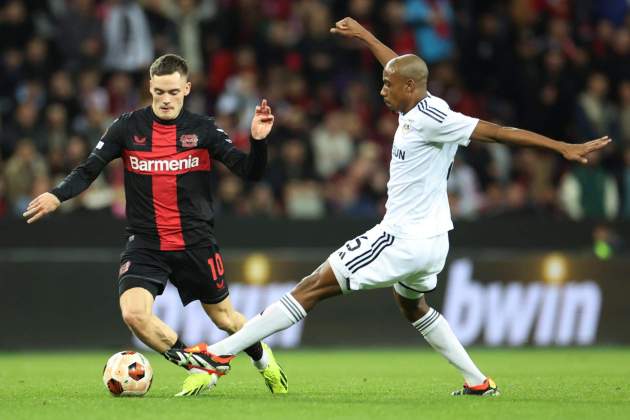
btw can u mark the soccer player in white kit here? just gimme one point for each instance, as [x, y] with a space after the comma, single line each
[408, 249]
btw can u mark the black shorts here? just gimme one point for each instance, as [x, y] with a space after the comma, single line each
[197, 273]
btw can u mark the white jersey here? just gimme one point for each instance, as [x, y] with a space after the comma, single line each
[422, 154]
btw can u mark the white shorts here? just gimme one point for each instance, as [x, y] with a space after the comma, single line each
[377, 259]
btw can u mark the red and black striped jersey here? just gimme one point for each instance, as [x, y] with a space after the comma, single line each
[168, 166]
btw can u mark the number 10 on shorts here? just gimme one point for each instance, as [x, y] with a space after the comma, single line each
[216, 267]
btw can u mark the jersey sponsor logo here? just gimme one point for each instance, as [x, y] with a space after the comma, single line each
[139, 140]
[162, 165]
[189, 140]
[147, 164]
[398, 153]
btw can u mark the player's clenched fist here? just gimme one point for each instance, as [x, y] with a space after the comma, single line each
[262, 121]
[348, 27]
[41, 206]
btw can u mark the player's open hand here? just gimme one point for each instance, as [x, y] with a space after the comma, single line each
[348, 27]
[580, 152]
[262, 121]
[41, 206]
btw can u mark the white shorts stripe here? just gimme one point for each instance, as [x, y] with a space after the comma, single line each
[378, 259]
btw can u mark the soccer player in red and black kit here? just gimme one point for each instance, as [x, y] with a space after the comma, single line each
[168, 155]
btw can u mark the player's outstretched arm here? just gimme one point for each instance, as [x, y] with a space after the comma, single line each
[81, 177]
[488, 132]
[74, 184]
[350, 28]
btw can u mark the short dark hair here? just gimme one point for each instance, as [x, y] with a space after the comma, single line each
[168, 64]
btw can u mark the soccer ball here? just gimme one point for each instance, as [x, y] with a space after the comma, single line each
[128, 373]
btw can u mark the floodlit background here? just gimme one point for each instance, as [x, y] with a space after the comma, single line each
[540, 251]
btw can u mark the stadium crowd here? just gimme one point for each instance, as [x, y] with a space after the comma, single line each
[562, 68]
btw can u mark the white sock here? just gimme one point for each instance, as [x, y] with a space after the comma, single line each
[278, 316]
[263, 362]
[438, 333]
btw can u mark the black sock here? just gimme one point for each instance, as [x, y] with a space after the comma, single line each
[178, 345]
[255, 351]
[174, 358]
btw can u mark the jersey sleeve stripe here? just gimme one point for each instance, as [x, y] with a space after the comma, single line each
[99, 158]
[435, 114]
[443, 114]
[430, 116]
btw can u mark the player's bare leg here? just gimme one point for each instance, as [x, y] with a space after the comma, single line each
[230, 320]
[136, 305]
[321, 284]
[438, 333]
[282, 314]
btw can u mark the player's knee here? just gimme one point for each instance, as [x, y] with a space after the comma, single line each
[135, 319]
[315, 287]
[412, 309]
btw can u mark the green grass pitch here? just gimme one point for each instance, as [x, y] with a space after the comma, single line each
[325, 384]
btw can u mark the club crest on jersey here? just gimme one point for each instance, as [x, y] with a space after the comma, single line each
[406, 127]
[139, 140]
[189, 140]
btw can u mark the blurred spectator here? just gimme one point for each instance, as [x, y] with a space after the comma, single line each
[618, 66]
[292, 164]
[261, 201]
[332, 146]
[62, 90]
[122, 96]
[589, 192]
[624, 113]
[26, 174]
[37, 63]
[230, 195]
[463, 191]
[25, 125]
[188, 16]
[79, 35]
[432, 21]
[626, 184]
[163, 30]
[128, 42]
[56, 127]
[16, 25]
[241, 92]
[303, 200]
[596, 115]
[317, 46]
[612, 10]
[3, 197]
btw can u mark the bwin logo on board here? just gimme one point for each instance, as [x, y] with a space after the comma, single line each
[519, 313]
